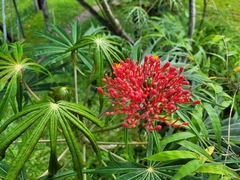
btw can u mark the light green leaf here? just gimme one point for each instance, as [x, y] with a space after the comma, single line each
[214, 168]
[188, 168]
[173, 155]
[195, 148]
[81, 110]
[176, 137]
[78, 163]
[216, 124]
[197, 117]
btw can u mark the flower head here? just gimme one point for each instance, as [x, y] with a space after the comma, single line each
[147, 93]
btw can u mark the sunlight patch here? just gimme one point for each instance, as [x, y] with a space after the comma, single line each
[98, 41]
[18, 67]
[150, 170]
[54, 106]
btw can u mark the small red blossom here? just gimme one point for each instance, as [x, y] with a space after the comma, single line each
[147, 93]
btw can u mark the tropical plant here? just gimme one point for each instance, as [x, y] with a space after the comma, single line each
[165, 112]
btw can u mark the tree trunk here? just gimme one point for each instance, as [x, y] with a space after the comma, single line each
[35, 5]
[9, 37]
[43, 6]
[104, 22]
[192, 16]
[114, 21]
[4, 29]
[96, 15]
[203, 15]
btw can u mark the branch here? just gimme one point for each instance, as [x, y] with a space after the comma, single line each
[114, 21]
[203, 15]
[9, 37]
[117, 30]
[192, 19]
[96, 15]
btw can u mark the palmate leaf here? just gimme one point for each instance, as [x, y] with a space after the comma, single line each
[61, 42]
[11, 67]
[38, 116]
[106, 44]
[4, 167]
[9, 95]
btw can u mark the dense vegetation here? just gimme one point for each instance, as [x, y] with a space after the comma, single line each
[151, 94]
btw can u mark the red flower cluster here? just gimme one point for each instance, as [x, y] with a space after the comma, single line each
[147, 92]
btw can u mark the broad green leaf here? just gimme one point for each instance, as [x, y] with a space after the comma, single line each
[188, 168]
[176, 137]
[173, 155]
[215, 168]
[195, 148]
[216, 124]
[217, 38]
[214, 177]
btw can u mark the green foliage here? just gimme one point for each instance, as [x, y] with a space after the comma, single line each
[31, 111]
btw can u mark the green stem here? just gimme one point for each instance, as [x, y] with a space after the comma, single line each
[29, 90]
[74, 56]
[108, 128]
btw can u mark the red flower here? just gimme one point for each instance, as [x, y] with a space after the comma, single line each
[147, 92]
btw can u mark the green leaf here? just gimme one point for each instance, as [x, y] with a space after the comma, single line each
[215, 168]
[59, 175]
[197, 117]
[173, 155]
[116, 170]
[216, 124]
[188, 168]
[195, 148]
[27, 148]
[54, 165]
[24, 112]
[17, 51]
[131, 175]
[78, 124]
[4, 167]
[9, 94]
[17, 131]
[78, 163]
[81, 110]
[176, 137]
